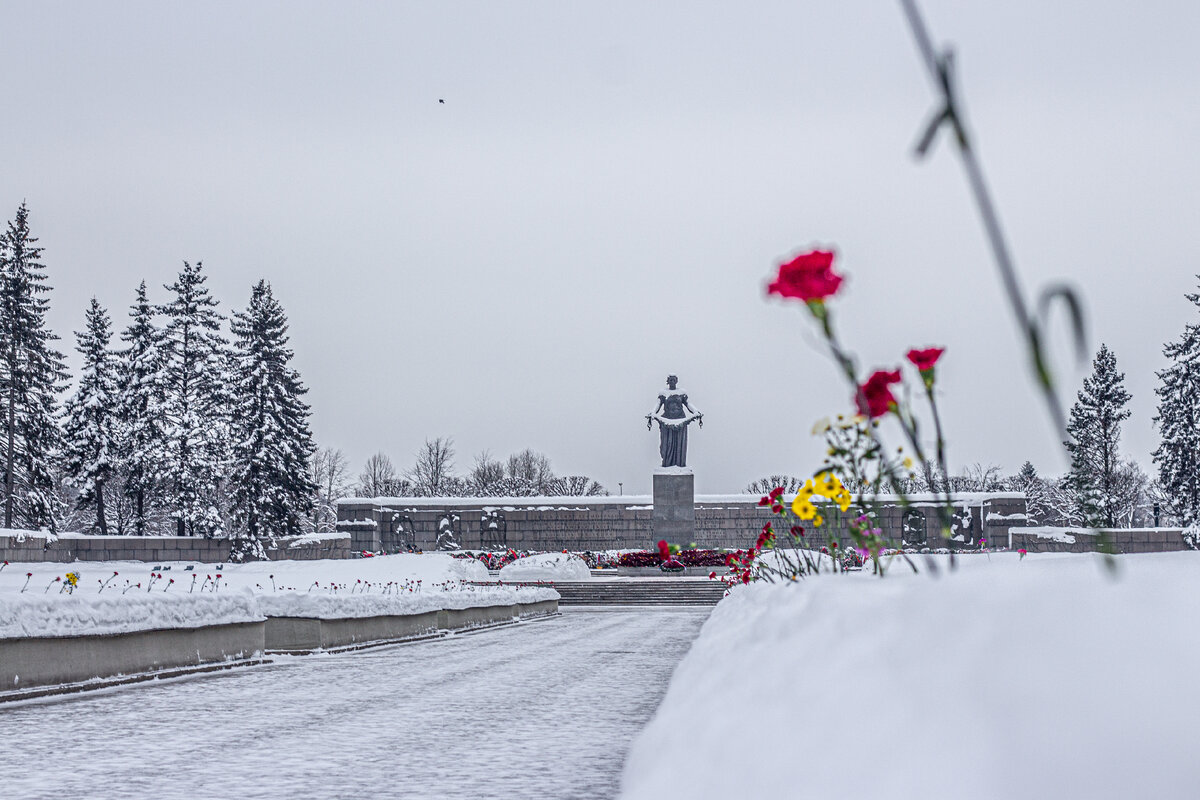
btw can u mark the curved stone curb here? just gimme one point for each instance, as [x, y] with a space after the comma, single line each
[40, 666]
[32, 662]
[303, 635]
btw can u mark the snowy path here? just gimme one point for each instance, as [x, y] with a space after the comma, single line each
[545, 710]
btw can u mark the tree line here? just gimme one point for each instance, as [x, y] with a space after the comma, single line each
[177, 428]
[188, 422]
[432, 473]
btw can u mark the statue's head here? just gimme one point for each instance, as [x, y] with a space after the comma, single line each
[672, 381]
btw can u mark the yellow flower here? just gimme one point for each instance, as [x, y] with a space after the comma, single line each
[908, 463]
[821, 426]
[827, 485]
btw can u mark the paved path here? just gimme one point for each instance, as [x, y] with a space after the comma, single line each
[541, 710]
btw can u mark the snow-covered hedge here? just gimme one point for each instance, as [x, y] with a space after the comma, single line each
[44, 615]
[546, 567]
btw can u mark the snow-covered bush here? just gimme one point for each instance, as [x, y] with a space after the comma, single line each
[546, 567]
[1191, 535]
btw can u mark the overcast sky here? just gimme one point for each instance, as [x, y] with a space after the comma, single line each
[602, 197]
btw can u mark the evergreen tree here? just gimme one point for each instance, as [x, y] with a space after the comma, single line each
[1095, 434]
[91, 441]
[1035, 490]
[273, 489]
[141, 406]
[31, 376]
[1178, 454]
[196, 414]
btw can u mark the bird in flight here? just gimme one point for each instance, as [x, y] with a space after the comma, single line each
[440, 100]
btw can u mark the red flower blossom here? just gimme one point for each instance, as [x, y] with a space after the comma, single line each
[764, 501]
[778, 490]
[797, 530]
[924, 360]
[808, 277]
[879, 398]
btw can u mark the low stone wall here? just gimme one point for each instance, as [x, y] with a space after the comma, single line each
[1080, 540]
[27, 664]
[616, 523]
[68, 547]
[35, 662]
[300, 635]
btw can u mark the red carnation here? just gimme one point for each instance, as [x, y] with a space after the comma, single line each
[808, 277]
[924, 360]
[878, 397]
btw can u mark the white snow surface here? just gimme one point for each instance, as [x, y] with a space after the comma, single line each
[397, 584]
[546, 567]
[1043, 677]
[46, 615]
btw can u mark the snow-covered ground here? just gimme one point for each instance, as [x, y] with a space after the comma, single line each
[546, 567]
[541, 710]
[140, 597]
[1048, 677]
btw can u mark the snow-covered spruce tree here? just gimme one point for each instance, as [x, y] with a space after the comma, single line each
[1178, 454]
[141, 412]
[32, 373]
[196, 410]
[90, 448]
[1036, 492]
[272, 486]
[1095, 435]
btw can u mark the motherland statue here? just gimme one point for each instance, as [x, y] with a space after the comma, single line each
[673, 416]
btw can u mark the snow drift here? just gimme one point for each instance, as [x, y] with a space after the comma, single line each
[1046, 677]
[546, 567]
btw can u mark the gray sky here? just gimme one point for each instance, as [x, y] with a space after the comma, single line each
[602, 197]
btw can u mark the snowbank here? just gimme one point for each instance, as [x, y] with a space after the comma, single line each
[46, 615]
[316, 538]
[135, 600]
[1046, 677]
[357, 606]
[546, 567]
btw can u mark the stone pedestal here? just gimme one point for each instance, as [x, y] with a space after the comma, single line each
[674, 505]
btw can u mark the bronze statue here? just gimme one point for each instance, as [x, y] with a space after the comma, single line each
[673, 415]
